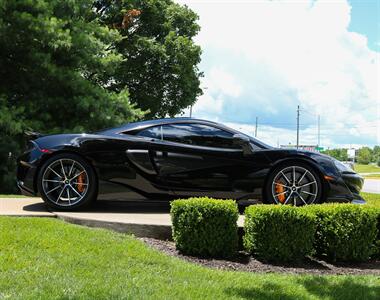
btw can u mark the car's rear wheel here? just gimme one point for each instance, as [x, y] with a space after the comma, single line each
[294, 184]
[67, 182]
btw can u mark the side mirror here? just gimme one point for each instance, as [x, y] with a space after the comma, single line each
[244, 142]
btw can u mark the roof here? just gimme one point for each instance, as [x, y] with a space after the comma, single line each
[130, 127]
[142, 124]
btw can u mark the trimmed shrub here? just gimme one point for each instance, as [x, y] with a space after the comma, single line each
[278, 233]
[345, 232]
[376, 252]
[205, 227]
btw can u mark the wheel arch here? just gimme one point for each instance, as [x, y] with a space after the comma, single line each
[296, 159]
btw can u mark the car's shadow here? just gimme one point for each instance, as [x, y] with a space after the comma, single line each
[131, 206]
[145, 206]
[36, 207]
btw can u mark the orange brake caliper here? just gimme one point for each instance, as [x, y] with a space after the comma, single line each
[280, 190]
[81, 181]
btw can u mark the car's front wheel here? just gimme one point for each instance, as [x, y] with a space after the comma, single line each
[295, 184]
[67, 182]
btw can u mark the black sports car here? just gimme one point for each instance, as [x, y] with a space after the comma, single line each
[173, 158]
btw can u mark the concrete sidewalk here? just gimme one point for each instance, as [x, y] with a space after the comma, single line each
[24, 207]
[143, 219]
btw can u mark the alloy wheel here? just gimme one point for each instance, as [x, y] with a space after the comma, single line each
[295, 185]
[65, 182]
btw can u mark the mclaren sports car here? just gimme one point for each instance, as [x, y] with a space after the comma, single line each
[177, 158]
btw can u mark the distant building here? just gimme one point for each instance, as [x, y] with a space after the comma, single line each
[351, 153]
[313, 148]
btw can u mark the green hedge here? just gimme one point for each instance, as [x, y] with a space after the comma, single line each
[376, 253]
[345, 232]
[205, 227]
[278, 233]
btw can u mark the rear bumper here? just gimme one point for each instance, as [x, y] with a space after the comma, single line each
[24, 190]
[26, 173]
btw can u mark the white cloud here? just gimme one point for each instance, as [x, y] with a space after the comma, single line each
[220, 81]
[270, 56]
[218, 85]
[308, 136]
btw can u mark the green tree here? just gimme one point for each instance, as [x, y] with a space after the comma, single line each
[376, 155]
[56, 63]
[159, 56]
[364, 155]
[339, 154]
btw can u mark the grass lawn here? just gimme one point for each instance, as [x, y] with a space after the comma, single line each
[11, 196]
[372, 199]
[366, 168]
[49, 259]
[373, 176]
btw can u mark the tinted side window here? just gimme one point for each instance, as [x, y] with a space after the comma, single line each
[151, 132]
[198, 135]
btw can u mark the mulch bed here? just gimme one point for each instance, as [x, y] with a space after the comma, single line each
[244, 262]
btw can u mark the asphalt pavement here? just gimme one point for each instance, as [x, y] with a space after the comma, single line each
[371, 186]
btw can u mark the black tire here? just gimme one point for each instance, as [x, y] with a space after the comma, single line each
[303, 192]
[53, 183]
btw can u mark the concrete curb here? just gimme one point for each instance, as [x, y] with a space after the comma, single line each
[162, 232]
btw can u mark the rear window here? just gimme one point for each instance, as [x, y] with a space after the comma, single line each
[151, 132]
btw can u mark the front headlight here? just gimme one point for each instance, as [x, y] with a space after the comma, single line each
[342, 167]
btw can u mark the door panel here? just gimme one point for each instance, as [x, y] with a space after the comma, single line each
[193, 168]
[198, 159]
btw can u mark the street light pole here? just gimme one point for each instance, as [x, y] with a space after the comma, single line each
[319, 130]
[256, 126]
[298, 125]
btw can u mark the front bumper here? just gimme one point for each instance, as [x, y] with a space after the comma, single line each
[346, 188]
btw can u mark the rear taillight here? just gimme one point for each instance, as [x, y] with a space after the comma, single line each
[46, 151]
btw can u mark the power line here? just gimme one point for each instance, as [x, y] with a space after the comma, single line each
[346, 126]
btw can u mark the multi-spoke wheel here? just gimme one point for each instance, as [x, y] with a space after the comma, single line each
[294, 184]
[67, 181]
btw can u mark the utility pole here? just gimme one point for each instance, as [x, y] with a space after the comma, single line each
[319, 130]
[191, 111]
[298, 125]
[256, 126]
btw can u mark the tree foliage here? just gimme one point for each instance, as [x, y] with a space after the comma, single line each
[56, 57]
[339, 154]
[80, 65]
[159, 56]
[55, 65]
[364, 156]
[376, 155]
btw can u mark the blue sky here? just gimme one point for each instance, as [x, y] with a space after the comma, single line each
[365, 19]
[263, 58]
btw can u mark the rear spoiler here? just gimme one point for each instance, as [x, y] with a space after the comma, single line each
[32, 135]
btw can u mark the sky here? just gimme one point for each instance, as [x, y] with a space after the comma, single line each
[263, 58]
